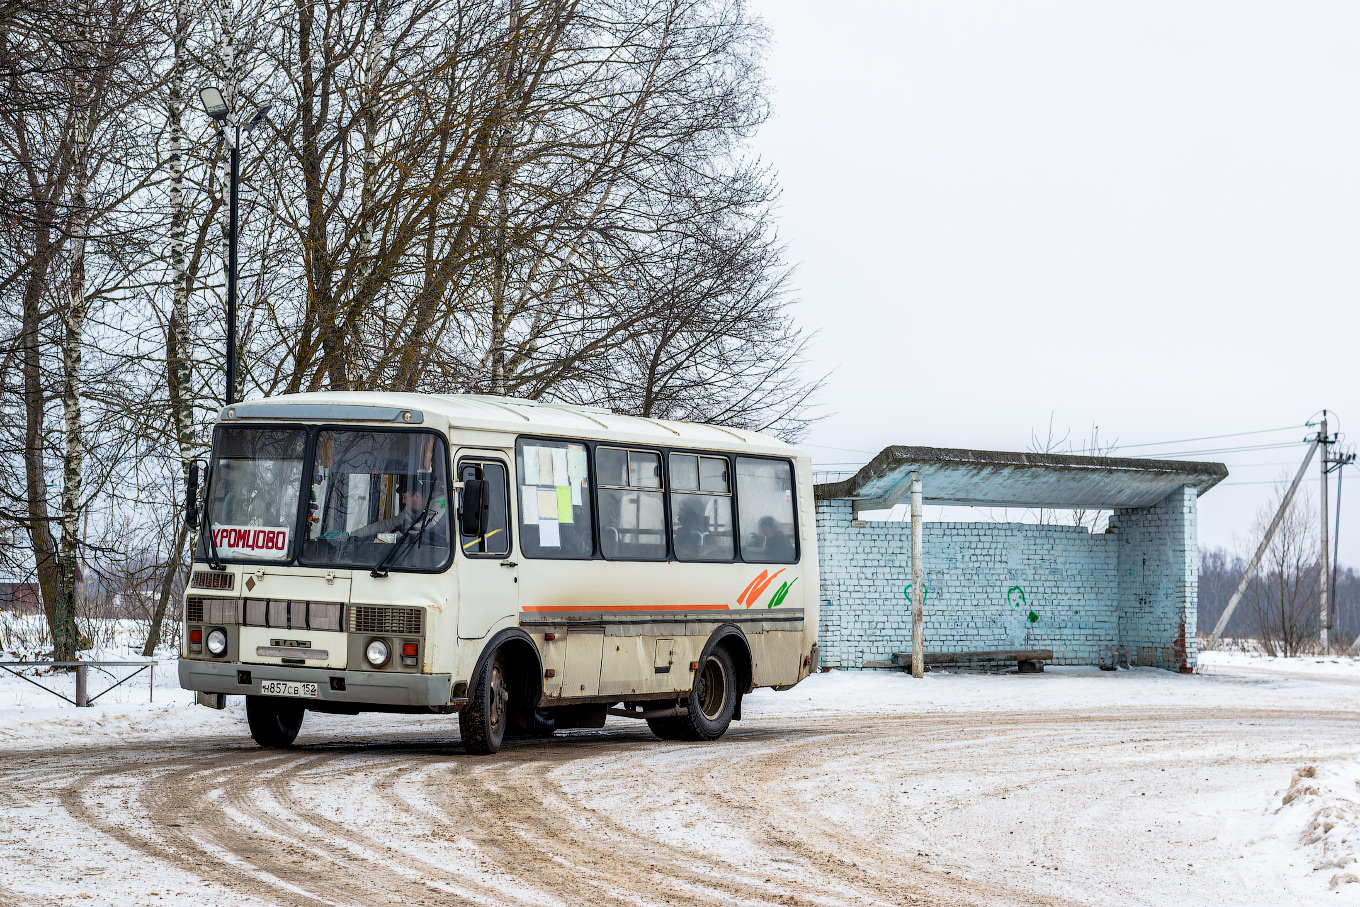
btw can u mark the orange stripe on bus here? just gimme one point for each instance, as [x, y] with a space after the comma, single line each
[626, 608]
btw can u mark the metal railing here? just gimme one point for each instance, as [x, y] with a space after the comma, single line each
[83, 698]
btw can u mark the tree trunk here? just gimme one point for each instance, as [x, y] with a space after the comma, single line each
[172, 567]
[178, 373]
[38, 523]
[359, 375]
[65, 635]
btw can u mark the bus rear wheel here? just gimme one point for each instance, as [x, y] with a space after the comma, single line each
[482, 723]
[274, 723]
[711, 702]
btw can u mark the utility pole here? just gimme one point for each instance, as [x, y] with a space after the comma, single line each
[1324, 575]
[1265, 543]
[1339, 463]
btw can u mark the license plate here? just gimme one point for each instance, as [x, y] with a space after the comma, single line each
[296, 689]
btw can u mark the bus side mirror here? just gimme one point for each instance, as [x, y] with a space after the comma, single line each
[470, 518]
[191, 497]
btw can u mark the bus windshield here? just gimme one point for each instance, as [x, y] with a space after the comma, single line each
[253, 499]
[376, 498]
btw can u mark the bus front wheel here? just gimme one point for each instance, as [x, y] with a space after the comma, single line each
[274, 723]
[482, 722]
[711, 702]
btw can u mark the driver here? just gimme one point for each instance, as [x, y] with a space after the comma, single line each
[413, 504]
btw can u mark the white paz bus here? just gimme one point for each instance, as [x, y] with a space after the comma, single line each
[528, 566]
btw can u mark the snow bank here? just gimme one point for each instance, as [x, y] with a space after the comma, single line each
[146, 706]
[1315, 824]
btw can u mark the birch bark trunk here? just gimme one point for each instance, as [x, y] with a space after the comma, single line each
[178, 373]
[65, 635]
[229, 17]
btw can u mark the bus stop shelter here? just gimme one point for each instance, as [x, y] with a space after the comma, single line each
[1123, 596]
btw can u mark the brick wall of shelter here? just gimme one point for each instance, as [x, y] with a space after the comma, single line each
[1123, 596]
[1159, 581]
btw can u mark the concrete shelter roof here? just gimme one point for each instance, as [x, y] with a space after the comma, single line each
[992, 478]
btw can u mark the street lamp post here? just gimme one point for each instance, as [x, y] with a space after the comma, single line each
[216, 107]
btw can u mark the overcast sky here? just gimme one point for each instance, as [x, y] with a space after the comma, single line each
[1139, 215]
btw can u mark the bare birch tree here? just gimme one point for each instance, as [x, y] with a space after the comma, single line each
[541, 198]
[71, 153]
[1281, 601]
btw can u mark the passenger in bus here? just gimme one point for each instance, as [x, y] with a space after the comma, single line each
[413, 505]
[691, 528]
[778, 547]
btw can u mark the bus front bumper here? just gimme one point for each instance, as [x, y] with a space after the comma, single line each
[359, 687]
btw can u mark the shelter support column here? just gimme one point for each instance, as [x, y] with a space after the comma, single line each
[1159, 581]
[918, 589]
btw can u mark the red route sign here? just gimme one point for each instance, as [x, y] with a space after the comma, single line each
[265, 542]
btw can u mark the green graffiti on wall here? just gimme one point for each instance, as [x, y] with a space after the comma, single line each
[925, 593]
[1015, 597]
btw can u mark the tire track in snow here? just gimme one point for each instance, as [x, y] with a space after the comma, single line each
[779, 812]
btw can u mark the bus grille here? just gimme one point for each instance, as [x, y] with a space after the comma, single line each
[206, 579]
[294, 615]
[212, 610]
[404, 621]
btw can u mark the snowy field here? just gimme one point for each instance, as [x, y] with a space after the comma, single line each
[1240, 785]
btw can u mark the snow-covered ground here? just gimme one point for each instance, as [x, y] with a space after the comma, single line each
[1239, 785]
[149, 703]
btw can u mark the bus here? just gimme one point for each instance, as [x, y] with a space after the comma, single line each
[529, 566]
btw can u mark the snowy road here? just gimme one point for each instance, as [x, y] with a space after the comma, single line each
[1072, 787]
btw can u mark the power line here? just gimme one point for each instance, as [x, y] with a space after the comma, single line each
[843, 449]
[1167, 455]
[1219, 450]
[1237, 434]
[1171, 455]
[1312, 481]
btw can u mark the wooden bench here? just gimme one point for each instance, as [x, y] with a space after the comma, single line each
[1029, 661]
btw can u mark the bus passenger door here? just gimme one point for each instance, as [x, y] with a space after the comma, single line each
[487, 574]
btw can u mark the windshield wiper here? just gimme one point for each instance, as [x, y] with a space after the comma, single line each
[422, 518]
[214, 559]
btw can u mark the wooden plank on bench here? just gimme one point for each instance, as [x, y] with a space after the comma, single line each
[1034, 657]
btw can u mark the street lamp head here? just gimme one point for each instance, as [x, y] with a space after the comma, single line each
[258, 117]
[214, 104]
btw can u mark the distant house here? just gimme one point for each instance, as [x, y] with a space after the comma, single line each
[19, 596]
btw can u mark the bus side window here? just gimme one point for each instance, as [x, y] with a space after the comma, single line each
[701, 508]
[632, 512]
[495, 538]
[769, 532]
[554, 499]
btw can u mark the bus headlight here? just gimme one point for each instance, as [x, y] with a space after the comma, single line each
[377, 653]
[217, 641]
